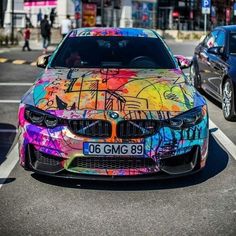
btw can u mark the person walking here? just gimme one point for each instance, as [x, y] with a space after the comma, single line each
[45, 32]
[39, 17]
[26, 35]
[66, 26]
[52, 16]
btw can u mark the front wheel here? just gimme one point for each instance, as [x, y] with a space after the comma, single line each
[228, 105]
[195, 78]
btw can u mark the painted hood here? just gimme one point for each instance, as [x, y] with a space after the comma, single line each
[113, 89]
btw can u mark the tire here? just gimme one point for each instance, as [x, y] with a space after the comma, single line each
[195, 78]
[228, 105]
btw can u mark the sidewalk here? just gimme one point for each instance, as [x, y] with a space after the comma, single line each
[34, 45]
[15, 55]
[38, 45]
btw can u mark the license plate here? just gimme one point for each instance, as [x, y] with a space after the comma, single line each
[114, 149]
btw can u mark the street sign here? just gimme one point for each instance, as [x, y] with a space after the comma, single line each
[206, 6]
[77, 7]
[213, 11]
[206, 9]
[234, 9]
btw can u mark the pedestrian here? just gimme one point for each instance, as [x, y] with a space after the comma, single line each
[26, 35]
[52, 16]
[66, 26]
[39, 17]
[45, 32]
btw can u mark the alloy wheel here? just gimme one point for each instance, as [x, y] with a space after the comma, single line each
[192, 75]
[227, 99]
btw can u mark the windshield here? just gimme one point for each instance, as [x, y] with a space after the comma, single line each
[232, 43]
[113, 52]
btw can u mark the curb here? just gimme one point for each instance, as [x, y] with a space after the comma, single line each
[17, 62]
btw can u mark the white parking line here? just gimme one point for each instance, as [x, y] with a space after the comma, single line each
[223, 140]
[15, 84]
[9, 101]
[7, 166]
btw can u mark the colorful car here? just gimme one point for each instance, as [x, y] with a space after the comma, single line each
[113, 103]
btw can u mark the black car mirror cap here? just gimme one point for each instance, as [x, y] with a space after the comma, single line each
[42, 61]
[183, 62]
[216, 50]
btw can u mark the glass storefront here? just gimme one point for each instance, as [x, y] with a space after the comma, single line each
[144, 13]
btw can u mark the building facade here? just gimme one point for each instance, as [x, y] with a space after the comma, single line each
[124, 13]
[162, 14]
[187, 14]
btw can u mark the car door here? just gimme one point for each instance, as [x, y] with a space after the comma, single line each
[206, 63]
[217, 63]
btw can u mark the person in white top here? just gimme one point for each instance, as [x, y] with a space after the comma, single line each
[66, 26]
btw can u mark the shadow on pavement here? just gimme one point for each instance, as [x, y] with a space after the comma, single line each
[7, 181]
[216, 163]
[7, 137]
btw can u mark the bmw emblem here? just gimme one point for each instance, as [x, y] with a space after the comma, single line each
[114, 115]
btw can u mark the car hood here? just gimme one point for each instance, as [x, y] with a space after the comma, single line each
[113, 89]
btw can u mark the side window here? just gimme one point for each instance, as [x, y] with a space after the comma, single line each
[232, 42]
[220, 40]
[211, 39]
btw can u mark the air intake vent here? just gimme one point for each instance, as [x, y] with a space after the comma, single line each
[131, 129]
[91, 128]
[112, 163]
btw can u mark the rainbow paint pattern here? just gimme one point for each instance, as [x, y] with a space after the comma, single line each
[134, 95]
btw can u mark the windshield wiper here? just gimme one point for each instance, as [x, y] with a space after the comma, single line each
[111, 64]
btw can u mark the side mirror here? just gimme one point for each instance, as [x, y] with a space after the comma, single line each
[216, 50]
[42, 61]
[183, 62]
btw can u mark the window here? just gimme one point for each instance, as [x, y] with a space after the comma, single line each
[113, 52]
[232, 42]
[209, 41]
[220, 40]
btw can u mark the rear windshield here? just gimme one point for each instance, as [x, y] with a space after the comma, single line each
[232, 42]
[113, 52]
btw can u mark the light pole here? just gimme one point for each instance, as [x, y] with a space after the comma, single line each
[12, 22]
[112, 13]
[1, 14]
[102, 12]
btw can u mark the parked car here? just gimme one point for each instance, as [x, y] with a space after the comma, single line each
[214, 68]
[113, 102]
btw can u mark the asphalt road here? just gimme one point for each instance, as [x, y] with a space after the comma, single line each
[202, 204]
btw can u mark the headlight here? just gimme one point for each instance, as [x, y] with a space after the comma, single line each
[188, 118]
[39, 117]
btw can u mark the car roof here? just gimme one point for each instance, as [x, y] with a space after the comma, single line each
[227, 27]
[111, 31]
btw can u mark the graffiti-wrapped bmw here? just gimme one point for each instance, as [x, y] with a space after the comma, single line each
[113, 102]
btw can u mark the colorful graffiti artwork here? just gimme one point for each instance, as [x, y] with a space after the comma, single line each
[151, 111]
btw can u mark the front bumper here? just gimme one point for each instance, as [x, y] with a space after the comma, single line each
[168, 153]
[171, 167]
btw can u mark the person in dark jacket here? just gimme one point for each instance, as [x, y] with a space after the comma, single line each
[52, 16]
[45, 32]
